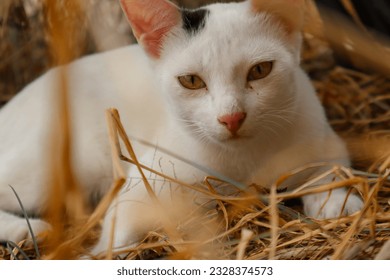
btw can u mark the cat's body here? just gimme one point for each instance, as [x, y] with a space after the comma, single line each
[247, 128]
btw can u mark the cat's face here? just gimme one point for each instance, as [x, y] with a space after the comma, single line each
[228, 73]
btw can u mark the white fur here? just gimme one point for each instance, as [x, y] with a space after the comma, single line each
[285, 126]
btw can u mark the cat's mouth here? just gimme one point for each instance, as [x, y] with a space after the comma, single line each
[235, 138]
[230, 139]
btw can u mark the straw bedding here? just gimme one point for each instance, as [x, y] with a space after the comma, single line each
[259, 224]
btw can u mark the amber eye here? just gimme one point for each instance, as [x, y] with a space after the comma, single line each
[192, 82]
[260, 71]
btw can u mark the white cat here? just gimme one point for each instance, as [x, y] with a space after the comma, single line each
[220, 85]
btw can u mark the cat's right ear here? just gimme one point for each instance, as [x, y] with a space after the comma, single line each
[289, 12]
[151, 21]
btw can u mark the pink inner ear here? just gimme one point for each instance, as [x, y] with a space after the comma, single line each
[151, 21]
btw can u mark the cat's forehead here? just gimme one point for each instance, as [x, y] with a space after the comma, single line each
[224, 25]
[225, 33]
[211, 16]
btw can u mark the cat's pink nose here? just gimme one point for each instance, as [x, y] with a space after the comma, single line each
[233, 121]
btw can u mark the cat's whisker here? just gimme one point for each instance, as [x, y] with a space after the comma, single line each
[274, 123]
[283, 115]
[270, 128]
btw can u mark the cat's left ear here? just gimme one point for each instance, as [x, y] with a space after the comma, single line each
[289, 12]
[151, 21]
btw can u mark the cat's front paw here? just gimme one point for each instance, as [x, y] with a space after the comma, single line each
[19, 230]
[119, 233]
[122, 239]
[331, 205]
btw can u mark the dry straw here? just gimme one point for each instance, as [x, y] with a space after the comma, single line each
[254, 223]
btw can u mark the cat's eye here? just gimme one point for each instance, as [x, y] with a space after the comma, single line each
[192, 82]
[260, 71]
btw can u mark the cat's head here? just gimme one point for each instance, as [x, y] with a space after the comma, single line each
[227, 70]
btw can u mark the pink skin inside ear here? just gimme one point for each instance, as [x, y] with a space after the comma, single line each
[151, 21]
